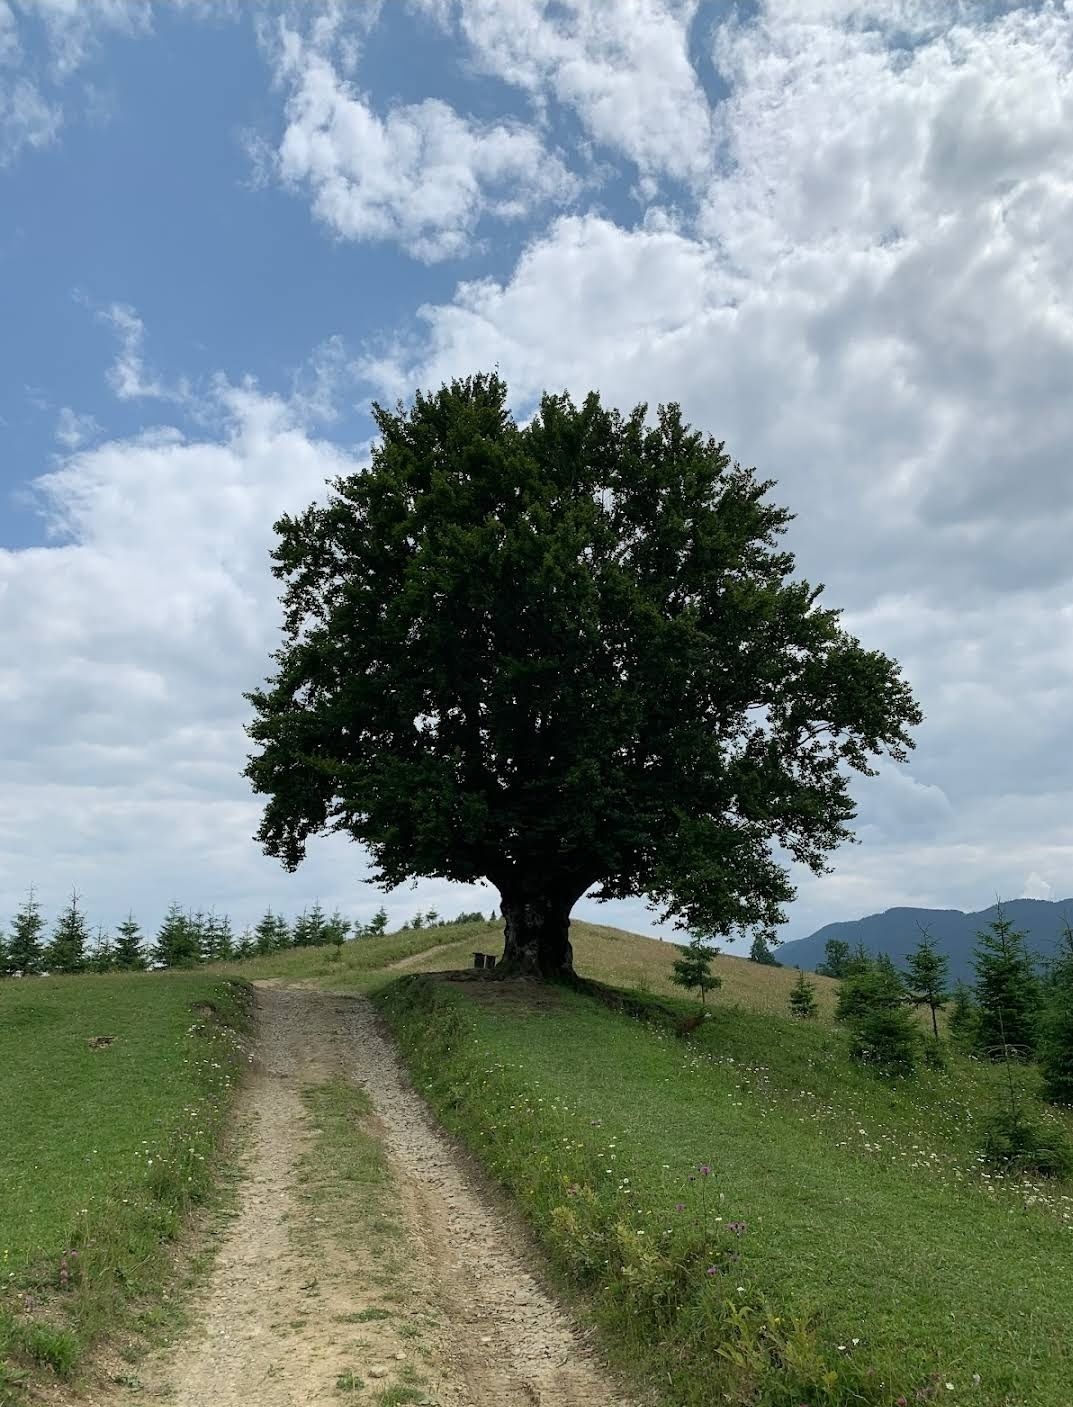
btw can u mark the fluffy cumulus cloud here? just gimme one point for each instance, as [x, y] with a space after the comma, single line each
[623, 67]
[125, 648]
[421, 175]
[850, 259]
[870, 300]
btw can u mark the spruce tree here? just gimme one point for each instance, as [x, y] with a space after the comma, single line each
[66, 952]
[283, 934]
[761, 952]
[873, 1003]
[1008, 994]
[225, 939]
[836, 958]
[244, 948]
[103, 957]
[1056, 1042]
[129, 953]
[963, 1016]
[378, 923]
[336, 928]
[210, 938]
[25, 951]
[300, 931]
[196, 926]
[860, 960]
[693, 970]
[264, 934]
[317, 926]
[803, 998]
[5, 970]
[926, 978]
[432, 918]
[176, 941]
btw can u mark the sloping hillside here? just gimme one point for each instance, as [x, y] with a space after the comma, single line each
[643, 964]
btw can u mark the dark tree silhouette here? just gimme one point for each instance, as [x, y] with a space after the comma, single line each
[566, 657]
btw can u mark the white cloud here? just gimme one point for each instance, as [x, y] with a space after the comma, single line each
[26, 118]
[74, 27]
[422, 175]
[867, 293]
[623, 66]
[73, 430]
[870, 302]
[42, 43]
[1036, 887]
[124, 653]
[128, 376]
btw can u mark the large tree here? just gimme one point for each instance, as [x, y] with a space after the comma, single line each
[563, 656]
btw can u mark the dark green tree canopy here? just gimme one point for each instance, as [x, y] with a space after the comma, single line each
[563, 656]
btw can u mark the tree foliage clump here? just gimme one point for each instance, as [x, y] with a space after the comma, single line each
[1056, 1031]
[1009, 997]
[964, 1015]
[802, 999]
[761, 952]
[178, 942]
[693, 969]
[873, 1003]
[25, 949]
[66, 952]
[926, 977]
[567, 657]
[836, 959]
[129, 949]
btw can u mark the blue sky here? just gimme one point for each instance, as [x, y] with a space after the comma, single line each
[836, 231]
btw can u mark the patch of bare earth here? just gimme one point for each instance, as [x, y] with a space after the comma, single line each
[303, 1307]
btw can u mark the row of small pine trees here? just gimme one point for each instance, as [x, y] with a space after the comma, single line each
[1014, 1010]
[184, 939]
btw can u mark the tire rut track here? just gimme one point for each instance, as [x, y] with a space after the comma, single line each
[273, 1323]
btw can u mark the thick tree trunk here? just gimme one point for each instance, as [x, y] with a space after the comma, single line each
[537, 935]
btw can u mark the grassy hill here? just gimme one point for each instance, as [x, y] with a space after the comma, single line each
[847, 1244]
[113, 1091]
[749, 1217]
[611, 955]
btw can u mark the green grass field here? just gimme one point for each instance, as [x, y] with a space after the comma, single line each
[636, 963]
[363, 962]
[104, 1147]
[847, 1245]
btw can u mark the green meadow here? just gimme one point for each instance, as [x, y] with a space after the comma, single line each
[114, 1094]
[750, 1217]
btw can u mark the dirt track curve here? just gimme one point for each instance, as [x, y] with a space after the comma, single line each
[280, 1319]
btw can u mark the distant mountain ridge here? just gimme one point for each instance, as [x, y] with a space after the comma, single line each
[897, 931]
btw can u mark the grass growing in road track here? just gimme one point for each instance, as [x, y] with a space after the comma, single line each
[845, 1245]
[105, 1144]
[346, 1178]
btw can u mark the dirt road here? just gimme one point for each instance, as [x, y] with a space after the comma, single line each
[298, 1310]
